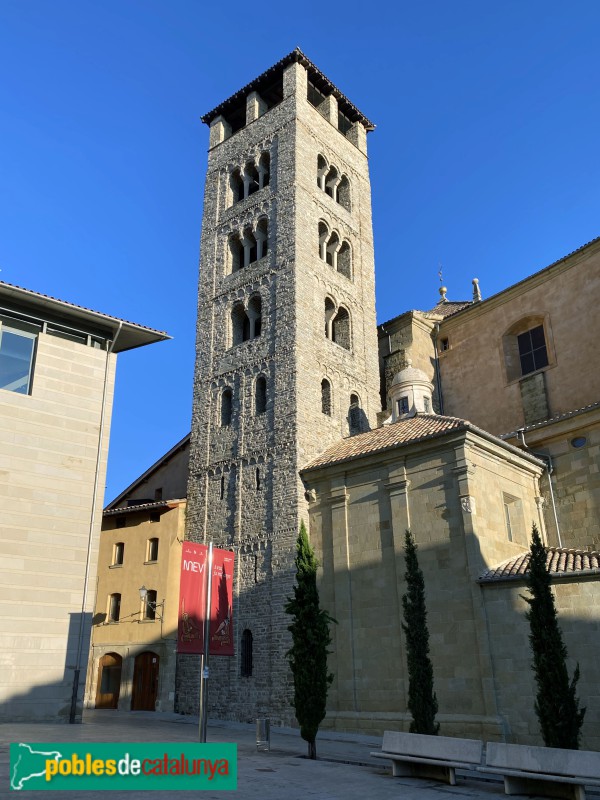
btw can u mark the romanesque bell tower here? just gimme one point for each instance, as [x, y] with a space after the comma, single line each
[286, 350]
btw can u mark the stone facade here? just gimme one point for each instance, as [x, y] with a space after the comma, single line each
[57, 377]
[287, 373]
[577, 599]
[482, 379]
[272, 329]
[450, 489]
[470, 352]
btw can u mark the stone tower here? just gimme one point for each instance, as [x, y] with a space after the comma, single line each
[286, 350]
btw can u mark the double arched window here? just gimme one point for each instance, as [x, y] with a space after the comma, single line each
[337, 324]
[246, 322]
[333, 183]
[335, 251]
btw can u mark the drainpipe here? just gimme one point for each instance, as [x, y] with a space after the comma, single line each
[77, 670]
[546, 458]
[438, 374]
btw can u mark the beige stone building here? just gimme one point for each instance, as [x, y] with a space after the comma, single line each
[469, 499]
[57, 365]
[134, 634]
[523, 365]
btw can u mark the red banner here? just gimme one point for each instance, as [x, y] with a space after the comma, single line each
[192, 601]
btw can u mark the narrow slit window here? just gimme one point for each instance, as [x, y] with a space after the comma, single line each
[246, 654]
[114, 607]
[326, 397]
[118, 554]
[152, 552]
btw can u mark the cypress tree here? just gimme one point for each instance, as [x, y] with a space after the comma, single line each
[422, 702]
[310, 640]
[556, 704]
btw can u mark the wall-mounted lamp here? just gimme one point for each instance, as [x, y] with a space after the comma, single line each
[151, 604]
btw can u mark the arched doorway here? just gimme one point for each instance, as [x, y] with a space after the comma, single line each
[109, 680]
[145, 682]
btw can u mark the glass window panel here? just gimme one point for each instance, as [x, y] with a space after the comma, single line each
[537, 337]
[527, 363]
[541, 358]
[524, 341]
[16, 357]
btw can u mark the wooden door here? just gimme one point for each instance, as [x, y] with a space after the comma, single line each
[109, 681]
[145, 682]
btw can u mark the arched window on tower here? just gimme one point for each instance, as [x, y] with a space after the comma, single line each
[329, 314]
[262, 238]
[240, 326]
[236, 252]
[340, 328]
[254, 316]
[331, 183]
[251, 178]
[354, 414]
[343, 193]
[322, 167]
[250, 247]
[260, 395]
[326, 397]
[226, 407]
[237, 186]
[323, 236]
[344, 260]
[264, 170]
[332, 248]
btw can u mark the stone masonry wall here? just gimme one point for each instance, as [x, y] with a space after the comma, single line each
[258, 513]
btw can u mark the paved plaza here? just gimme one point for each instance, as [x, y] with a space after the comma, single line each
[344, 771]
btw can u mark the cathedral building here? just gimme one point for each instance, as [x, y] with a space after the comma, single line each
[466, 423]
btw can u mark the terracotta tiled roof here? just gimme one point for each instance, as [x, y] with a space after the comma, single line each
[445, 308]
[110, 512]
[560, 562]
[405, 431]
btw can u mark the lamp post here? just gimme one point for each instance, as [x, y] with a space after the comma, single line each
[151, 603]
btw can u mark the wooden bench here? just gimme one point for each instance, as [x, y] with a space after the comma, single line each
[547, 771]
[437, 757]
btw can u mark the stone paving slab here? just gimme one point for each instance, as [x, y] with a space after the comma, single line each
[345, 770]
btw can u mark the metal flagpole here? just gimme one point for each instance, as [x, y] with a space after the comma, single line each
[204, 659]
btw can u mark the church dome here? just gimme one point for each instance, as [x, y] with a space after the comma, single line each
[410, 374]
[411, 393]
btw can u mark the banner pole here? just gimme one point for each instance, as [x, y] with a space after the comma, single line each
[203, 706]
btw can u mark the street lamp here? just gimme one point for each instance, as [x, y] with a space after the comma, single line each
[151, 603]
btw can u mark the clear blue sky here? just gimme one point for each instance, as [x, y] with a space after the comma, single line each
[485, 157]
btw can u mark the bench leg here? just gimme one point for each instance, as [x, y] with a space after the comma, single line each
[401, 769]
[547, 788]
[406, 769]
